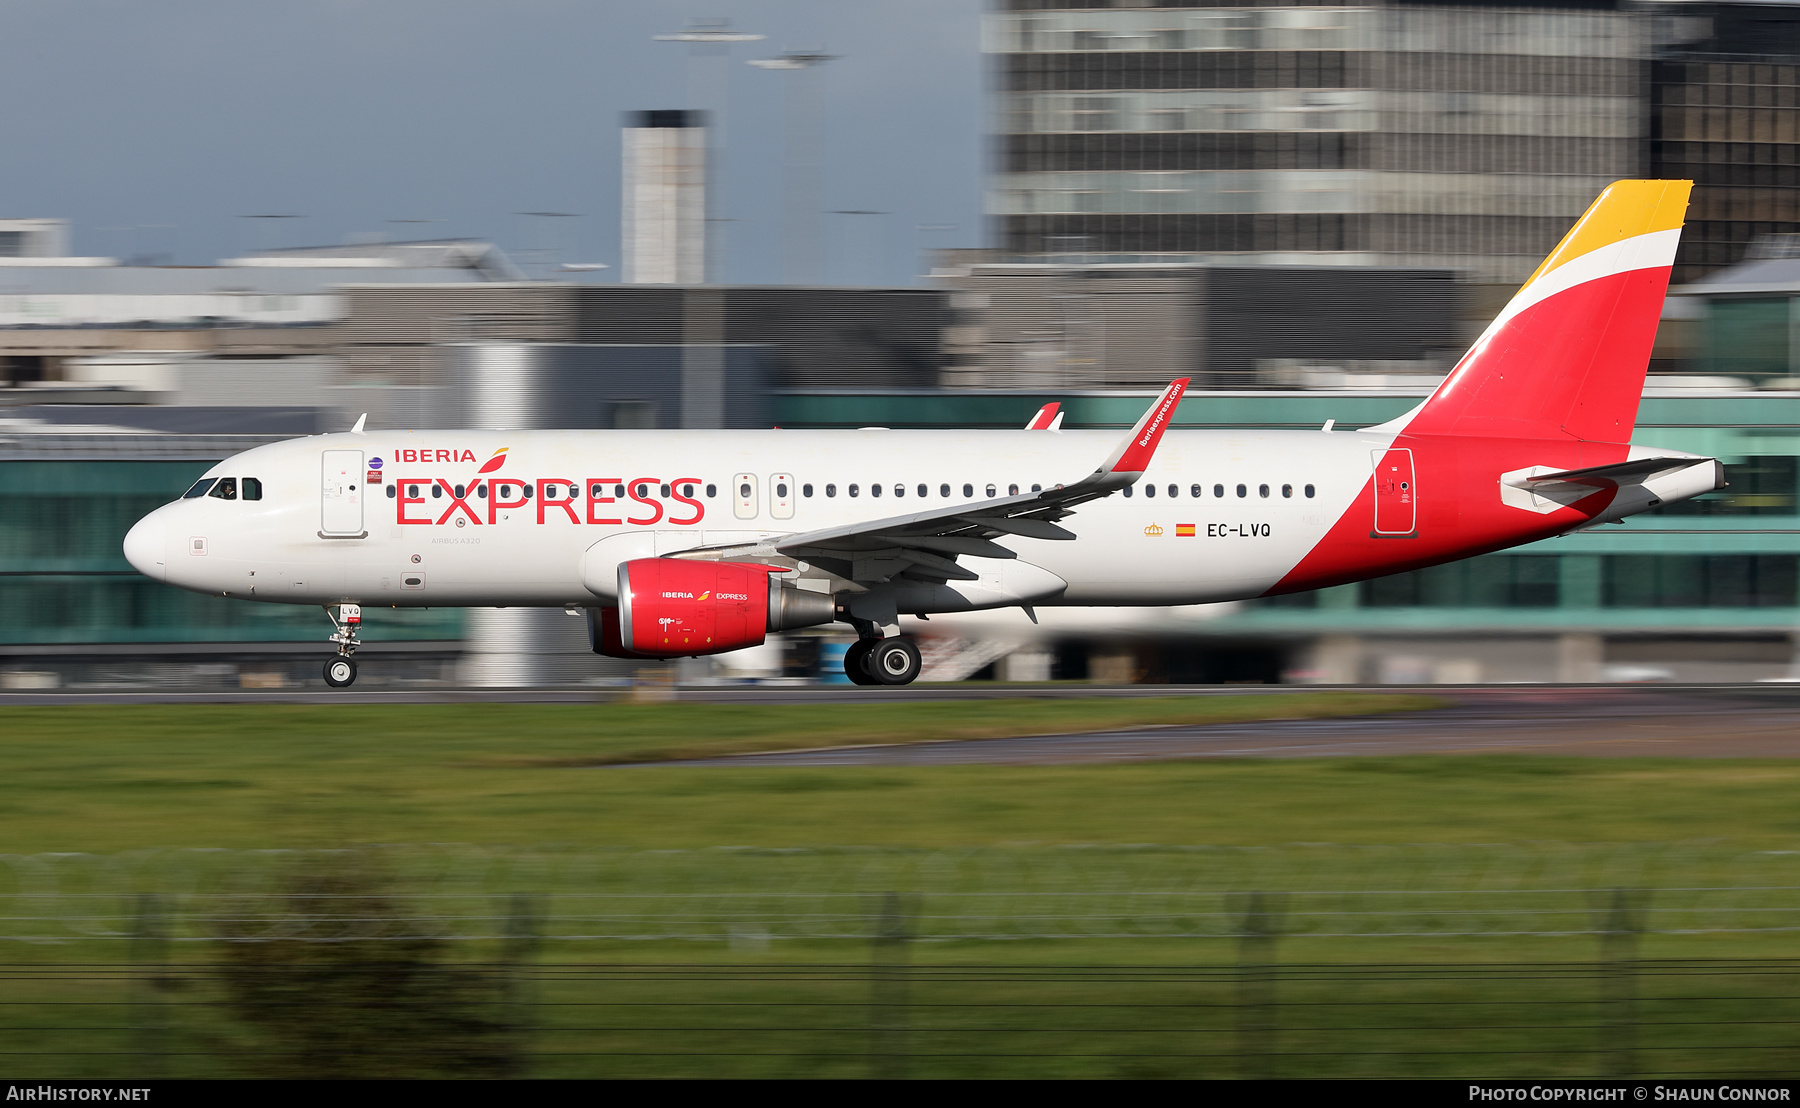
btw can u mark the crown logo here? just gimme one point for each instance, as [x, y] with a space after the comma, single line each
[1153, 530]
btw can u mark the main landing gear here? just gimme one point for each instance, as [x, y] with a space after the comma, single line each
[340, 672]
[892, 661]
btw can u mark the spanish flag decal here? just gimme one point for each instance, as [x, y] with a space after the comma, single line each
[1184, 530]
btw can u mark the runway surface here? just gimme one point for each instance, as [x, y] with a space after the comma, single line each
[1700, 721]
[1710, 722]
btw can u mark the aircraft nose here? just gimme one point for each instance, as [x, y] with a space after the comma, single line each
[146, 545]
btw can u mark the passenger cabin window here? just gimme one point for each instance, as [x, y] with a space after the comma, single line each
[392, 490]
[1218, 490]
[1126, 491]
[943, 490]
[874, 490]
[1287, 492]
[199, 488]
[437, 492]
[1194, 491]
[968, 491]
[1262, 490]
[712, 491]
[1309, 492]
[854, 490]
[806, 491]
[1242, 492]
[1012, 490]
[252, 488]
[663, 490]
[1174, 491]
[830, 490]
[924, 490]
[899, 490]
[224, 489]
[1149, 490]
[991, 490]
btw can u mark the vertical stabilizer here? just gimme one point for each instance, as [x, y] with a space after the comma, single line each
[1567, 356]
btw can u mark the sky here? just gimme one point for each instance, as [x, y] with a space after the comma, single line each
[157, 128]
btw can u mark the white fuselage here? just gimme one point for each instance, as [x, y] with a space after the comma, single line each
[407, 542]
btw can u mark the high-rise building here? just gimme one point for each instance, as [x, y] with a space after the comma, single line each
[1725, 112]
[664, 210]
[1401, 134]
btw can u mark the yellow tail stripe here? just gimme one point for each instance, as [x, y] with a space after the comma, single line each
[1625, 210]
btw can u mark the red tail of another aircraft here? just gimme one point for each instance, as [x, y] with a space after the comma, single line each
[1566, 359]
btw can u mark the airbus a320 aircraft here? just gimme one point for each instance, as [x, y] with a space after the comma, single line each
[681, 543]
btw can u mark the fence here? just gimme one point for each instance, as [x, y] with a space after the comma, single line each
[1546, 960]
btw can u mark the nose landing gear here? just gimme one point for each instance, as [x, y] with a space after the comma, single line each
[340, 672]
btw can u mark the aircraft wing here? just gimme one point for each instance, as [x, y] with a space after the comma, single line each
[924, 545]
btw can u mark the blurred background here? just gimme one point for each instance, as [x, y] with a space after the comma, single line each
[226, 224]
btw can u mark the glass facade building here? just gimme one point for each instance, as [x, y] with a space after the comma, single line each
[1725, 113]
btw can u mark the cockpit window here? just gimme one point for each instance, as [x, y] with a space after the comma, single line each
[224, 489]
[252, 488]
[199, 488]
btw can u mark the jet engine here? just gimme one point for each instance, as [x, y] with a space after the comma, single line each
[675, 608]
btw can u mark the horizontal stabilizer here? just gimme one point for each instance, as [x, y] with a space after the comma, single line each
[1617, 472]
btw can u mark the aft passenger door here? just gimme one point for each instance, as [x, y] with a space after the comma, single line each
[341, 495]
[1396, 494]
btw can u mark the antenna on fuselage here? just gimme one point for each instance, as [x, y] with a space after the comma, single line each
[360, 420]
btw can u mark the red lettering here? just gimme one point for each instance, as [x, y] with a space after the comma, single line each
[594, 500]
[455, 503]
[545, 501]
[409, 455]
[446, 456]
[466, 457]
[699, 508]
[401, 500]
[637, 488]
[495, 488]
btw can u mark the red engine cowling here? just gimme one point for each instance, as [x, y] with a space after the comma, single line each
[673, 608]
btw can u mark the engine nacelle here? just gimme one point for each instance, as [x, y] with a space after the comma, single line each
[675, 608]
